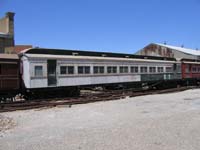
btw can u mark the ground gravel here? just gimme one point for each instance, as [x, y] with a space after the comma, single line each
[153, 122]
[6, 123]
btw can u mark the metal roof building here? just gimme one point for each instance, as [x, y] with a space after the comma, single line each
[156, 49]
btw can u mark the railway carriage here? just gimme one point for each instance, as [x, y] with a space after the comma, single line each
[67, 70]
[9, 76]
[190, 68]
[55, 73]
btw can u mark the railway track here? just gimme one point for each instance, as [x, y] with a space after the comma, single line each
[83, 99]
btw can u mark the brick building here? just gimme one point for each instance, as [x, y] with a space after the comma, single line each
[7, 31]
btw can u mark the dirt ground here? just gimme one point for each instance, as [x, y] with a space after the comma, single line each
[153, 122]
[6, 123]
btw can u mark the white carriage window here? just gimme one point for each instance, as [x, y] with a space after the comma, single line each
[70, 69]
[160, 69]
[98, 69]
[67, 70]
[80, 70]
[143, 69]
[169, 69]
[134, 69]
[111, 69]
[83, 69]
[152, 69]
[38, 71]
[87, 70]
[63, 70]
[123, 69]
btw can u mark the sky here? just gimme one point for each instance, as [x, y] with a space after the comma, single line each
[124, 26]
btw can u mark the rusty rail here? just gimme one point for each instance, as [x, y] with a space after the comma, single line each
[86, 98]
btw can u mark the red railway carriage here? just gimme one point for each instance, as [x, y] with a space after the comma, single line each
[9, 75]
[190, 68]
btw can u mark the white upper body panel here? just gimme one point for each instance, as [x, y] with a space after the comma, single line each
[32, 60]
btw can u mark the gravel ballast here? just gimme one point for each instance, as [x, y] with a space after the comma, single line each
[153, 122]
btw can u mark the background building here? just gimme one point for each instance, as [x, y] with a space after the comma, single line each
[7, 31]
[155, 49]
[7, 35]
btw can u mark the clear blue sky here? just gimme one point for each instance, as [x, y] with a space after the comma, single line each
[105, 25]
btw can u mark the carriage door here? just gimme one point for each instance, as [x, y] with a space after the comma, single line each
[51, 72]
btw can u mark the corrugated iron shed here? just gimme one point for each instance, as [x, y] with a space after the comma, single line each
[164, 50]
[182, 49]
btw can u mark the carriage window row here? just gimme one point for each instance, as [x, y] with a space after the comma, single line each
[192, 69]
[38, 72]
[110, 69]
